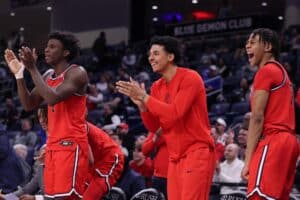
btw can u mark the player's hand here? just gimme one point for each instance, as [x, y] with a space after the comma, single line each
[41, 156]
[140, 104]
[134, 91]
[141, 86]
[28, 57]
[245, 172]
[157, 134]
[34, 54]
[27, 197]
[138, 85]
[130, 89]
[12, 61]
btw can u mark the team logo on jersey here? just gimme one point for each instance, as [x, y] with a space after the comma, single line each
[66, 143]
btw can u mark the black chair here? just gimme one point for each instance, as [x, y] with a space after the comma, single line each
[220, 108]
[231, 83]
[95, 116]
[237, 119]
[115, 194]
[240, 107]
[149, 193]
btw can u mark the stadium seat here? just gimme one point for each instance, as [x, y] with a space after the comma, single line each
[115, 194]
[149, 193]
[220, 108]
[240, 107]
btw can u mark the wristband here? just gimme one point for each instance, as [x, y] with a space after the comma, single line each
[18, 68]
[39, 197]
[143, 97]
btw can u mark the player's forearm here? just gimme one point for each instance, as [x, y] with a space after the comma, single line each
[24, 95]
[255, 131]
[170, 114]
[43, 89]
[150, 122]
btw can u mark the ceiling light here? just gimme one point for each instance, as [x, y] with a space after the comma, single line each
[155, 19]
[154, 7]
[280, 17]
[264, 4]
[194, 1]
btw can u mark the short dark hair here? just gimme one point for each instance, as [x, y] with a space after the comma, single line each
[267, 35]
[69, 41]
[170, 44]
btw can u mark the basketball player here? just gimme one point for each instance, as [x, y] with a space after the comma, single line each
[63, 88]
[272, 148]
[177, 104]
[108, 163]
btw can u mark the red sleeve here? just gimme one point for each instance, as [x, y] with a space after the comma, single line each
[150, 121]
[268, 77]
[146, 169]
[190, 88]
[298, 97]
[148, 145]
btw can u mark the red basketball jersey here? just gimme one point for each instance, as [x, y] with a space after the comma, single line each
[279, 113]
[66, 119]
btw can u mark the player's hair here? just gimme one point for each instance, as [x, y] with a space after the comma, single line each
[267, 35]
[170, 44]
[69, 41]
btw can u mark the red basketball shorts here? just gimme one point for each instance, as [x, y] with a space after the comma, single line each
[66, 166]
[272, 167]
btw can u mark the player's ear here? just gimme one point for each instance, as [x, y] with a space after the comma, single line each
[268, 47]
[66, 53]
[171, 57]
